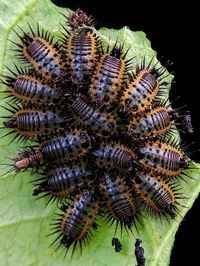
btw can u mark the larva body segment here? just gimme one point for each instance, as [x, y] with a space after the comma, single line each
[79, 19]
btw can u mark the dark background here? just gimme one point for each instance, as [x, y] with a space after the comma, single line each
[173, 32]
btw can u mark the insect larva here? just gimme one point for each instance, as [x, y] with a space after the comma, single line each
[108, 77]
[34, 123]
[114, 156]
[143, 87]
[120, 203]
[77, 221]
[82, 52]
[163, 158]
[32, 89]
[70, 146]
[156, 193]
[42, 54]
[61, 181]
[101, 123]
[152, 122]
[140, 92]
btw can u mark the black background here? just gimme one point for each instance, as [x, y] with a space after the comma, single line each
[173, 32]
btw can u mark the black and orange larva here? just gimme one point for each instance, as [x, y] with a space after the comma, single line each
[100, 122]
[108, 77]
[114, 156]
[140, 92]
[70, 145]
[142, 88]
[121, 204]
[159, 195]
[76, 222]
[39, 50]
[82, 51]
[62, 181]
[28, 87]
[163, 158]
[32, 123]
[154, 121]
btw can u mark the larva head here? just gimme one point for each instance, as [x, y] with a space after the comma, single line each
[11, 123]
[116, 51]
[107, 131]
[171, 210]
[27, 39]
[184, 161]
[174, 114]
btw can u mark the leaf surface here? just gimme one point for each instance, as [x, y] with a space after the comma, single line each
[25, 222]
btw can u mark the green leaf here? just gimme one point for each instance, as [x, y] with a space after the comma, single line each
[25, 222]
